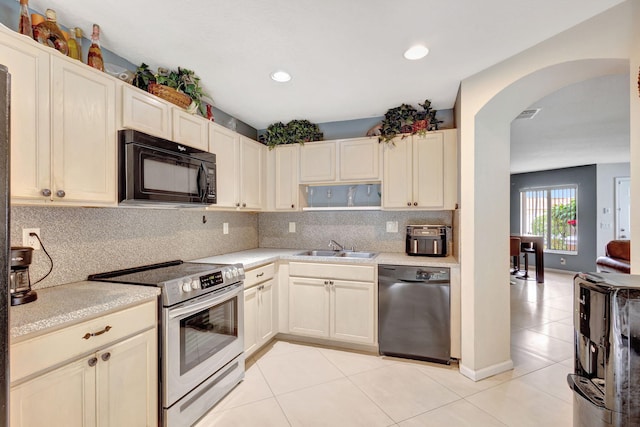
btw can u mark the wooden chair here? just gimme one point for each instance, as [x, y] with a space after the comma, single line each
[515, 254]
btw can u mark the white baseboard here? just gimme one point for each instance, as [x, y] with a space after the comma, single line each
[487, 372]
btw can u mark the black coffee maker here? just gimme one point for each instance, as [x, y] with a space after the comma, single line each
[20, 287]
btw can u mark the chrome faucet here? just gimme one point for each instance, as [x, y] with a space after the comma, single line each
[335, 245]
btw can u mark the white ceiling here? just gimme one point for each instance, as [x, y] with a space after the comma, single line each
[345, 55]
[581, 124]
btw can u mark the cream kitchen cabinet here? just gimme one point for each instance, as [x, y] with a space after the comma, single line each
[149, 114]
[336, 302]
[190, 129]
[260, 308]
[282, 178]
[420, 172]
[318, 162]
[146, 113]
[359, 159]
[29, 65]
[79, 166]
[108, 379]
[345, 160]
[240, 166]
[63, 127]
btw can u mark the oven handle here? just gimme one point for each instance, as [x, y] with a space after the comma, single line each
[196, 306]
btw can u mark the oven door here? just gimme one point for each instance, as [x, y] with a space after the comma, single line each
[200, 336]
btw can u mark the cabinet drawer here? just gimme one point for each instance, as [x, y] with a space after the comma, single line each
[258, 275]
[46, 351]
[361, 273]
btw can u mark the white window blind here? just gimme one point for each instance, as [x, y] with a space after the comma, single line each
[551, 212]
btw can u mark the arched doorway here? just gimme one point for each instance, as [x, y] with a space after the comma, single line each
[486, 105]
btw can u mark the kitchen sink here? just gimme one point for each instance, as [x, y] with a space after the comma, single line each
[319, 252]
[355, 254]
[342, 254]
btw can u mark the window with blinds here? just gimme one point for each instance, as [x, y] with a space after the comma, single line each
[551, 212]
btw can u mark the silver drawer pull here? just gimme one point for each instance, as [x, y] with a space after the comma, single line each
[95, 334]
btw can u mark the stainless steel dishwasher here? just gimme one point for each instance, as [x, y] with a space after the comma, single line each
[414, 312]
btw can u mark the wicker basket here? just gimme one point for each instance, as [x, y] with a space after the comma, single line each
[170, 94]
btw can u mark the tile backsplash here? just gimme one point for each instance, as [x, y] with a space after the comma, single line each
[84, 241]
[366, 230]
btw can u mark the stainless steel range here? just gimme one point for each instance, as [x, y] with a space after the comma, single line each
[201, 339]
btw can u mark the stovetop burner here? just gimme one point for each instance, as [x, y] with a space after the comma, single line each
[179, 280]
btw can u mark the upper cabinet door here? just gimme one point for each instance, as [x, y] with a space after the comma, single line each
[146, 113]
[359, 159]
[397, 192]
[252, 168]
[318, 162]
[225, 144]
[84, 134]
[30, 132]
[190, 129]
[428, 170]
[285, 186]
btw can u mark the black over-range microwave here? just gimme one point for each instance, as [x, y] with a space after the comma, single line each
[155, 171]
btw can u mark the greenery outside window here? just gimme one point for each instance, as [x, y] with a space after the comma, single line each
[551, 212]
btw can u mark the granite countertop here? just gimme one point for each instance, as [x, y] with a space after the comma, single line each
[256, 257]
[64, 305]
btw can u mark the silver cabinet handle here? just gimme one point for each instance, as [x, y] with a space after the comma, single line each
[46, 192]
[237, 205]
[244, 205]
[60, 193]
[92, 362]
[415, 203]
[95, 334]
[408, 203]
[106, 356]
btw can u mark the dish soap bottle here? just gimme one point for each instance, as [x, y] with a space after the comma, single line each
[49, 34]
[94, 57]
[24, 27]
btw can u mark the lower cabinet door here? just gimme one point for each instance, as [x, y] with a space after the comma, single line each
[352, 311]
[309, 306]
[127, 382]
[250, 319]
[63, 397]
[266, 312]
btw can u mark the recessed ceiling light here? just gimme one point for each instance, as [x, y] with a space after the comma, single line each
[416, 52]
[281, 76]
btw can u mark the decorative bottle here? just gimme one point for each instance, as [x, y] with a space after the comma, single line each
[75, 45]
[24, 27]
[94, 57]
[48, 33]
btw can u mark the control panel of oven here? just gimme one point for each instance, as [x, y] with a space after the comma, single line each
[197, 284]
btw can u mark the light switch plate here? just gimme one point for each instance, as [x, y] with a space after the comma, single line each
[392, 226]
[292, 227]
[225, 228]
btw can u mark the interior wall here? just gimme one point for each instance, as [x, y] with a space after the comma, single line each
[585, 178]
[489, 101]
[85, 241]
[606, 214]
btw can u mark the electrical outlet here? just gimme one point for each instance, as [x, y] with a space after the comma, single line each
[563, 261]
[225, 228]
[392, 226]
[30, 241]
[292, 227]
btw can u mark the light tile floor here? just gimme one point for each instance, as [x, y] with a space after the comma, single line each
[291, 384]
